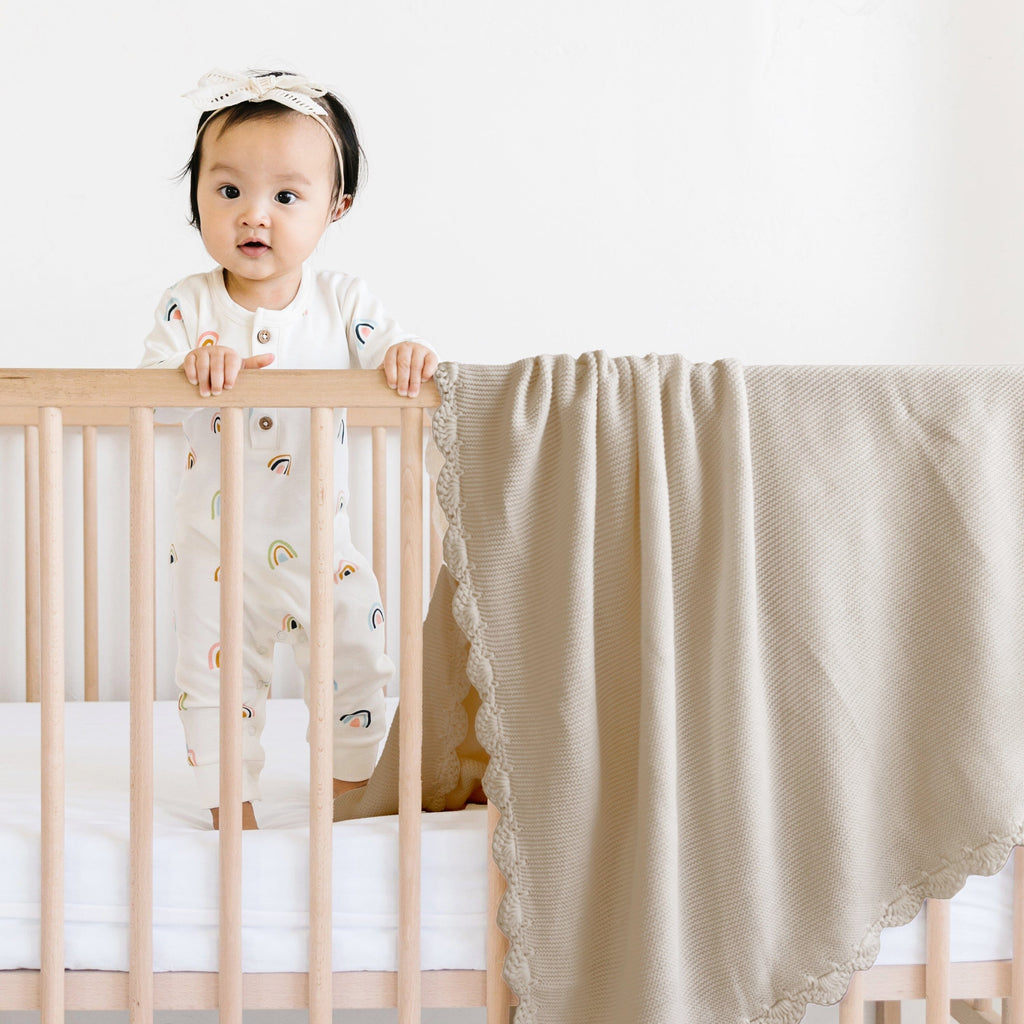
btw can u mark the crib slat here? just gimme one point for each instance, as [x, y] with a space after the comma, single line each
[142, 673]
[32, 627]
[936, 984]
[380, 513]
[497, 945]
[410, 799]
[321, 716]
[851, 1008]
[231, 527]
[1017, 977]
[90, 562]
[51, 524]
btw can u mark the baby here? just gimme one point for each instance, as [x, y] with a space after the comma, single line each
[274, 163]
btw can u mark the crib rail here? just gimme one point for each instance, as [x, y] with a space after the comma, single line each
[301, 389]
[44, 401]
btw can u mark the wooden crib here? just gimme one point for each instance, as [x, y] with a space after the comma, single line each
[965, 992]
[45, 402]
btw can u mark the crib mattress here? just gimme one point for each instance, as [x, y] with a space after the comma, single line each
[275, 863]
[275, 879]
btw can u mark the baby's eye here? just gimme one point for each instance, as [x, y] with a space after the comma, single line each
[286, 198]
[229, 191]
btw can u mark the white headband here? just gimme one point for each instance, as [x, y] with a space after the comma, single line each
[220, 89]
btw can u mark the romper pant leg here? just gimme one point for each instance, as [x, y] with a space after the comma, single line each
[197, 622]
[362, 669]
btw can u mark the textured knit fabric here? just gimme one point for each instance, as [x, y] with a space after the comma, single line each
[749, 648]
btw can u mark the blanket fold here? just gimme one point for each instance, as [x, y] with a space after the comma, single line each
[739, 651]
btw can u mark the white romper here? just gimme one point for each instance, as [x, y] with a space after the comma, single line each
[333, 323]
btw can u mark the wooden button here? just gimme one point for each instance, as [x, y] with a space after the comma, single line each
[266, 423]
[263, 336]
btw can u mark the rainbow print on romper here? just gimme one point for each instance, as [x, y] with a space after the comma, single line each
[215, 423]
[216, 575]
[280, 551]
[174, 555]
[376, 616]
[356, 720]
[207, 338]
[289, 624]
[215, 506]
[280, 464]
[192, 758]
[190, 461]
[173, 311]
[213, 658]
[181, 701]
[247, 711]
[363, 330]
[344, 569]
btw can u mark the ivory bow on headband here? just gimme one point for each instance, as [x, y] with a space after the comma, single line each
[220, 89]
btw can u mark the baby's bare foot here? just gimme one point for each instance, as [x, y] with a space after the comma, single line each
[343, 787]
[248, 818]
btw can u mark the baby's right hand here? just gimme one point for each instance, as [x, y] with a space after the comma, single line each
[214, 368]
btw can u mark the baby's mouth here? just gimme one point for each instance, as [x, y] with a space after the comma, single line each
[253, 247]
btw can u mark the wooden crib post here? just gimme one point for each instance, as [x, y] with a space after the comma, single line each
[231, 527]
[51, 525]
[379, 513]
[1016, 1015]
[90, 561]
[32, 640]
[497, 992]
[321, 714]
[851, 1008]
[936, 973]
[410, 786]
[142, 675]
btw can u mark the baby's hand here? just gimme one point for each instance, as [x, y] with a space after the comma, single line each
[214, 368]
[406, 365]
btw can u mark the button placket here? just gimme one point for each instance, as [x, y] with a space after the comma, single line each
[264, 423]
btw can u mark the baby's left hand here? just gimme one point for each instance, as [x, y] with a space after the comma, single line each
[406, 365]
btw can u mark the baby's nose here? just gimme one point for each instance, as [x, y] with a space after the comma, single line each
[256, 214]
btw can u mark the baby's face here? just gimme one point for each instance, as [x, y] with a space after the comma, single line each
[264, 195]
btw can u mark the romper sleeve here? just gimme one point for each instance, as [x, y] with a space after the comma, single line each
[370, 329]
[169, 340]
[167, 343]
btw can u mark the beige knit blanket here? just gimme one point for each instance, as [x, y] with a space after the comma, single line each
[749, 648]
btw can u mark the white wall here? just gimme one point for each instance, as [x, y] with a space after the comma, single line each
[787, 181]
[775, 180]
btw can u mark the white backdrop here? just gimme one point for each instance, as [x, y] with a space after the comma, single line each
[830, 181]
[776, 180]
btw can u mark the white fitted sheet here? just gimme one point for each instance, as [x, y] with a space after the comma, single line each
[275, 863]
[275, 879]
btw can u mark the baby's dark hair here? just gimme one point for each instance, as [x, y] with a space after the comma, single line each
[337, 117]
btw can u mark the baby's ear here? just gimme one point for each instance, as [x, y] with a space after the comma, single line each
[342, 208]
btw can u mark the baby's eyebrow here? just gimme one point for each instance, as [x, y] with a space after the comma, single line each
[293, 177]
